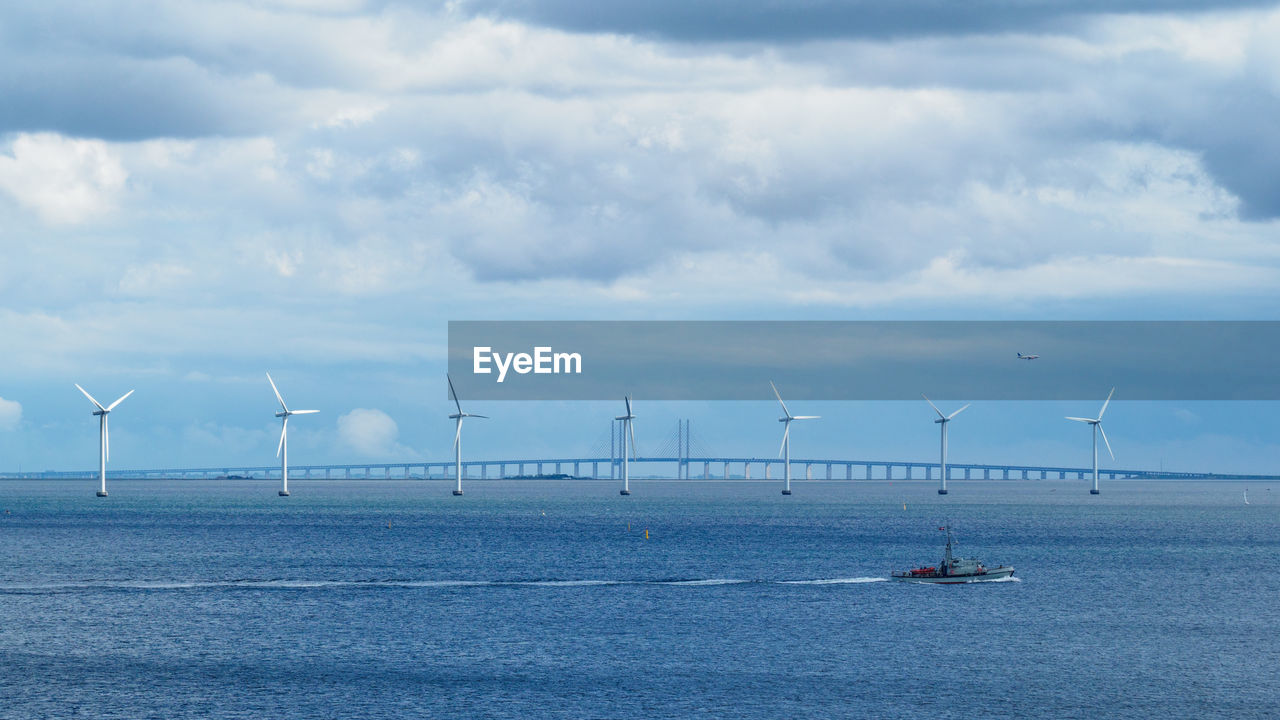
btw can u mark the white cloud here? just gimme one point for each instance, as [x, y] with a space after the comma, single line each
[372, 433]
[64, 180]
[10, 414]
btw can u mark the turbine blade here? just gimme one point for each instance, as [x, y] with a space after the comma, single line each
[113, 405]
[1105, 442]
[86, 394]
[453, 393]
[785, 411]
[627, 399]
[486, 417]
[786, 432]
[106, 438]
[302, 412]
[1105, 404]
[457, 437]
[277, 392]
[806, 417]
[935, 407]
[1083, 420]
[284, 428]
[959, 411]
[632, 427]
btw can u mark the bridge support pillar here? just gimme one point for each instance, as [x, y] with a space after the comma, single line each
[539, 468]
[746, 470]
[706, 470]
[868, 471]
[576, 468]
[808, 471]
[726, 471]
[1024, 474]
[986, 473]
[766, 469]
[828, 471]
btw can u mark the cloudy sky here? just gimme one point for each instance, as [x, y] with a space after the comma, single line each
[193, 193]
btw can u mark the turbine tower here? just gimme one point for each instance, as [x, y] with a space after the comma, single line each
[785, 450]
[1097, 428]
[457, 437]
[943, 420]
[627, 430]
[282, 450]
[104, 437]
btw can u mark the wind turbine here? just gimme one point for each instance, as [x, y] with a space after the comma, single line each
[627, 430]
[943, 420]
[104, 438]
[282, 450]
[1097, 428]
[785, 450]
[457, 437]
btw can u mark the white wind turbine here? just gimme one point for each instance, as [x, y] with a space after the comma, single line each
[457, 436]
[785, 450]
[943, 420]
[282, 450]
[627, 431]
[104, 437]
[1097, 428]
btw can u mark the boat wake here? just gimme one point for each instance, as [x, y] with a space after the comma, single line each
[304, 584]
[835, 581]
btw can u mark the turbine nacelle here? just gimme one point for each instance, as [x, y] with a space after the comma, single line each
[1097, 422]
[103, 412]
[284, 415]
[943, 418]
[786, 419]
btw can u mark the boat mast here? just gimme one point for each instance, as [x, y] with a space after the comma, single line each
[946, 564]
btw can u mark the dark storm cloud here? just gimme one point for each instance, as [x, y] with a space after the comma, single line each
[123, 99]
[799, 20]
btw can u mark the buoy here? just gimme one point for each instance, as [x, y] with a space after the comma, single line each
[646, 533]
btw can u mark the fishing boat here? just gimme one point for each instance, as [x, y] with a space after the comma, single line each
[953, 570]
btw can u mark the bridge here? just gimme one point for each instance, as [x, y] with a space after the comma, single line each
[674, 467]
[679, 455]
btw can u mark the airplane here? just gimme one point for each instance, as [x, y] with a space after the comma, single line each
[1028, 357]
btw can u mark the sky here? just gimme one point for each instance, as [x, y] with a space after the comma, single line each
[192, 194]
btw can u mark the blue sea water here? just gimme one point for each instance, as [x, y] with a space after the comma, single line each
[175, 599]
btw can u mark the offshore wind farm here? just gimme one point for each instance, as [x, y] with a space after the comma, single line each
[675, 459]
[640, 345]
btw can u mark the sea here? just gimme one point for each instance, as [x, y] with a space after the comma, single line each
[688, 599]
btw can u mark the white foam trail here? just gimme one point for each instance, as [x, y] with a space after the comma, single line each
[836, 581]
[700, 583]
[311, 584]
[563, 583]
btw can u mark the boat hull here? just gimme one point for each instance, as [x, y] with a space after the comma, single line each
[991, 574]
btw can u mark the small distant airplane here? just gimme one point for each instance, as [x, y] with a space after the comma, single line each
[1028, 357]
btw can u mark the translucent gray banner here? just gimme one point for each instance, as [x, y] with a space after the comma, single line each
[677, 360]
